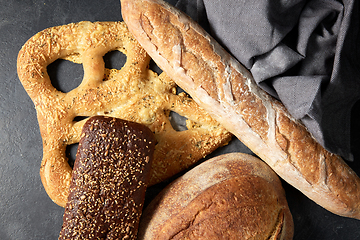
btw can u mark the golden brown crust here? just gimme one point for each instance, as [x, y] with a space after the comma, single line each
[133, 93]
[232, 196]
[229, 94]
[109, 180]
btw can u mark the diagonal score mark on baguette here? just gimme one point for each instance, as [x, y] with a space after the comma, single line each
[258, 120]
[133, 93]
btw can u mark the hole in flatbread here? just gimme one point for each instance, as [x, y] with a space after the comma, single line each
[114, 60]
[70, 152]
[154, 67]
[177, 121]
[180, 90]
[80, 118]
[65, 75]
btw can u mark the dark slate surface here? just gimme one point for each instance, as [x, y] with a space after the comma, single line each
[26, 212]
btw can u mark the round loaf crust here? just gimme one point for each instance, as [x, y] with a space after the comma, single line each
[231, 196]
[133, 93]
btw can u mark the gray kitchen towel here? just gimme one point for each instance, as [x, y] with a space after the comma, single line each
[303, 52]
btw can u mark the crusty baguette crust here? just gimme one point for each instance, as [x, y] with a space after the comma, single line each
[226, 90]
[231, 196]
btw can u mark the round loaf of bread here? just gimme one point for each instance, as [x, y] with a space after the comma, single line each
[231, 196]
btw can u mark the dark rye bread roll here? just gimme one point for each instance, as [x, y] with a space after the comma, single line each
[109, 180]
[231, 196]
[228, 92]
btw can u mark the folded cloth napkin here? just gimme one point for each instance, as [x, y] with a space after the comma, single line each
[303, 52]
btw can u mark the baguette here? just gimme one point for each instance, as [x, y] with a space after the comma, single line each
[231, 196]
[227, 91]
